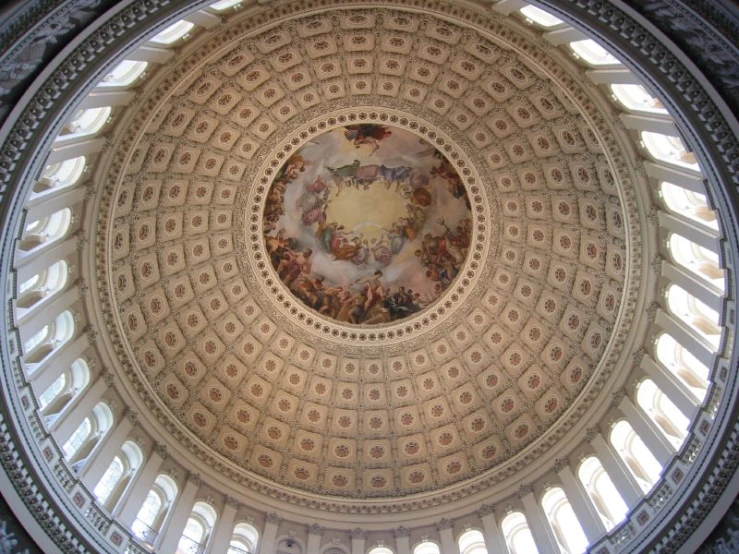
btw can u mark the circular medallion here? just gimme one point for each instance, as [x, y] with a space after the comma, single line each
[367, 224]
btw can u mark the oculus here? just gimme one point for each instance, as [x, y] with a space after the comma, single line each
[367, 224]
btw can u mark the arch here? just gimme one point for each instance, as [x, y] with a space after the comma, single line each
[150, 517]
[689, 204]
[700, 261]
[472, 541]
[119, 473]
[61, 175]
[564, 522]
[86, 122]
[540, 17]
[641, 462]
[517, 534]
[660, 409]
[636, 98]
[335, 549]
[593, 53]
[173, 33]
[427, 547]
[602, 492]
[65, 388]
[698, 317]
[88, 433]
[46, 230]
[244, 539]
[124, 74]
[381, 550]
[49, 338]
[198, 529]
[42, 286]
[681, 363]
[668, 149]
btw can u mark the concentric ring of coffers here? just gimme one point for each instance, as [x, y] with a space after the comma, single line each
[310, 405]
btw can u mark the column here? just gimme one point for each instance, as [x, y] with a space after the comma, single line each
[47, 313]
[613, 76]
[647, 431]
[669, 385]
[696, 345]
[180, 513]
[224, 529]
[131, 503]
[204, 19]
[150, 54]
[315, 532]
[107, 98]
[45, 374]
[538, 523]
[359, 537]
[61, 152]
[705, 292]
[587, 515]
[269, 537]
[693, 232]
[102, 456]
[663, 124]
[446, 534]
[507, 7]
[63, 426]
[564, 36]
[616, 469]
[66, 198]
[685, 178]
[402, 540]
[494, 539]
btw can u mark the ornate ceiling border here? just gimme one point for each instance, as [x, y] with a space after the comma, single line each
[711, 128]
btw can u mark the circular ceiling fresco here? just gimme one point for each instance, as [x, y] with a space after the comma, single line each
[367, 224]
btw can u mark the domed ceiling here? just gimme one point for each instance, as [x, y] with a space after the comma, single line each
[368, 254]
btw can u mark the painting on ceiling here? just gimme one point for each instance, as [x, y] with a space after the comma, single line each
[367, 224]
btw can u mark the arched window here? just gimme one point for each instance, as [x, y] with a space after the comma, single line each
[671, 421]
[49, 338]
[225, 4]
[698, 317]
[86, 122]
[593, 53]
[42, 286]
[92, 429]
[540, 17]
[119, 473]
[700, 261]
[65, 388]
[472, 542]
[563, 522]
[244, 539]
[638, 458]
[689, 204]
[668, 149]
[153, 511]
[124, 74]
[380, 550]
[173, 33]
[198, 529]
[686, 367]
[427, 547]
[517, 534]
[636, 98]
[61, 175]
[46, 230]
[605, 497]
